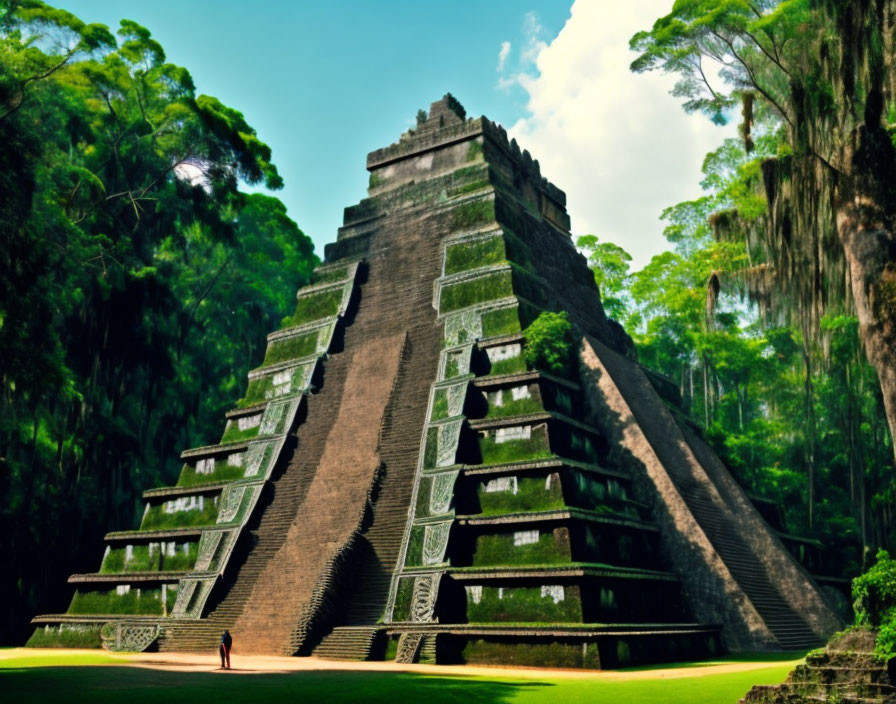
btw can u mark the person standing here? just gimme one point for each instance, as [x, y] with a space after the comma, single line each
[226, 644]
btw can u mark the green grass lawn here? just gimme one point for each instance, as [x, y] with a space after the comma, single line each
[76, 678]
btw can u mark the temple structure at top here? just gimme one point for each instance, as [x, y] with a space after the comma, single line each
[401, 481]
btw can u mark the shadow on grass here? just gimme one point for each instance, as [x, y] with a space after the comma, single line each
[118, 684]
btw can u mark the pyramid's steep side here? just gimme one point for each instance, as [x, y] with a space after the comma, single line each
[677, 470]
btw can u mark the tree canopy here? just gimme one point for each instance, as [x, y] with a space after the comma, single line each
[137, 282]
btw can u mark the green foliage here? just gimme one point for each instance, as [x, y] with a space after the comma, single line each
[498, 549]
[522, 604]
[504, 321]
[66, 637]
[531, 495]
[291, 348]
[315, 306]
[550, 344]
[339, 273]
[439, 405]
[414, 556]
[610, 264]
[223, 472]
[474, 151]
[403, 596]
[469, 215]
[874, 594]
[137, 282]
[138, 601]
[471, 255]
[479, 290]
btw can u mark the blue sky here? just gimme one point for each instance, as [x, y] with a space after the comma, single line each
[323, 83]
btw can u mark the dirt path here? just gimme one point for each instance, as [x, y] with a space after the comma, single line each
[269, 664]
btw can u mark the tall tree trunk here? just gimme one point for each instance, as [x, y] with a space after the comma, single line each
[866, 218]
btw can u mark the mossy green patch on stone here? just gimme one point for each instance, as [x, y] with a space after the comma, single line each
[532, 494]
[66, 636]
[531, 448]
[439, 405]
[511, 365]
[330, 275]
[452, 368]
[526, 604]
[510, 406]
[550, 654]
[472, 291]
[156, 517]
[474, 151]
[415, 546]
[468, 215]
[155, 559]
[430, 452]
[232, 433]
[500, 549]
[223, 472]
[471, 255]
[374, 180]
[504, 321]
[137, 601]
[315, 306]
[403, 596]
[291, 348]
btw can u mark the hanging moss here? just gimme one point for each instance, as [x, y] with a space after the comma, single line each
[223, 473]
[498, 549]
[504, 321]
[156, 517]
[469, 215]
[475, 254]
[524, 604]
[531, 495]
[66, 636]
[138, 601]
[315, 306]
[479, 290]
[291, 348]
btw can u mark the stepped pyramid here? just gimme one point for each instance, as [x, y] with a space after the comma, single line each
[398, 483]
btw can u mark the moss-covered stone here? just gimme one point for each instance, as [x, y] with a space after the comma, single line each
[502, 404]
[522, 604]
[469, 215]
[472, 255]
[523, 494]
[482, 289]
[330, 275]
[537, 446]
[66, 636]
[315, 306]
[415, 547]
[550, 548]
[291, 348]
[504, 321]
[156, 517]
[439, 405]
[137, 601]
[151, 559]
[223, 472]
[232, 433]
[404, 594]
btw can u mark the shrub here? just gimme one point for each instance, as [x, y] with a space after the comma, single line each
[550, 343]
[874, 595]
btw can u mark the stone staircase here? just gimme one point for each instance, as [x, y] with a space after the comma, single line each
[347, 643]
[279, 585]
[789, 628]
[846, 672]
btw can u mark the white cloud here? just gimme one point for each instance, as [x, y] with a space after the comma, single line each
[502, 55]
[618, 144]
